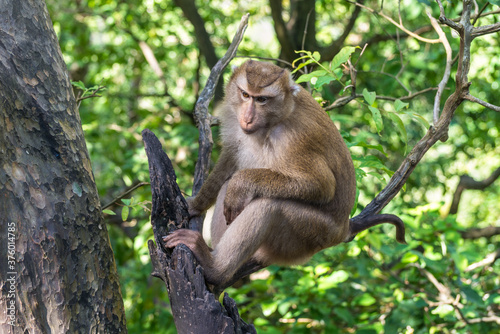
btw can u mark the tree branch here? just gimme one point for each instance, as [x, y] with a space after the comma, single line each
[481, 102]
[329, 52]
[437, 132]
[125, 193]
[447, 71]
[476, 233]
[345, 100]
[287, 45]
[488, 260]
[207, 49]
[467, 182]
[484, 30]
[155, 66]
[194, 308]
[204, 120]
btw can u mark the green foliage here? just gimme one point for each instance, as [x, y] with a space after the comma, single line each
[370, 285]
[87, 91]
[378, 286]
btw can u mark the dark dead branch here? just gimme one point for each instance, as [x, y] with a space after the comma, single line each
[194, 307]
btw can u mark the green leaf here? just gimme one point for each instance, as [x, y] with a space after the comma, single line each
[307, 77]
[125, 212]
[316, 55]
[321, 269]
[305, 63]
[399, 126]
[398, 105]
[366, 300]
[409, 258]
[378, 147]
[79, 84]
[342, 56]
[324, 80]
[376, 175]
[370, 161]
[419, 119]
[344, 314]
[355, 206]
[331, 281]
[269, 308]
[443, 310]
[495, 2]
[377, 118]
[109, 212]
[338, 73]
[126, 201]
[369, 96]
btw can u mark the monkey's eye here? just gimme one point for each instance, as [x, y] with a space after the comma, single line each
[245, 94]
[262, 99]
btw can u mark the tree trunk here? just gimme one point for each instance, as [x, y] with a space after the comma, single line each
[57, 272]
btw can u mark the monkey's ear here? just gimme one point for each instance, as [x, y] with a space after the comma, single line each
[294, 88]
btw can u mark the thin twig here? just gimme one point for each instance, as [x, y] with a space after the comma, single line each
[484, 30]
[489, 259]
[345, 100]
[443, 19]
[481, 102]
[391, 76]
[127, 192]
[476, 17]
[388, 18]
[305, 30]
[94, 94]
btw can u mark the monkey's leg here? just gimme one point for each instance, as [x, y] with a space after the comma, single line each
[238, 243]
[301, 231]
[242, 239]
[218, 225]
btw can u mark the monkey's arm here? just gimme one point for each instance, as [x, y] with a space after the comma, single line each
[316, 185]
[223, 170]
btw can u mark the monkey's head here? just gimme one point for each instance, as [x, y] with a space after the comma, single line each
[261, 94]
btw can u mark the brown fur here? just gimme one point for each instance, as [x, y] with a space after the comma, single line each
[284, 184]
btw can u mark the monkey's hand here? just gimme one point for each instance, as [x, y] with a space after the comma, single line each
[192, 239]
[235, 201]
[201, 251]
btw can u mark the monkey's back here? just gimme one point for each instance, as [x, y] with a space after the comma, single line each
[326, 142]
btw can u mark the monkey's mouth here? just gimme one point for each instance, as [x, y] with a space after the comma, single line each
[249, 131]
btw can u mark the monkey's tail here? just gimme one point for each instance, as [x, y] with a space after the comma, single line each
[357, 225]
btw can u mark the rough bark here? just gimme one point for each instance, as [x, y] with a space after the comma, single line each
[57, 270]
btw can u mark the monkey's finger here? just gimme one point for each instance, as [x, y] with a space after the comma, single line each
[177, 237]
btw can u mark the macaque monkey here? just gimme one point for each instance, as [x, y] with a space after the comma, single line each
[284, 184]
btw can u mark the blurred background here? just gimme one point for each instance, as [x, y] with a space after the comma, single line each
[153, 58]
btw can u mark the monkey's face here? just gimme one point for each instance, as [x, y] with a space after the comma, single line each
[261, 95]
